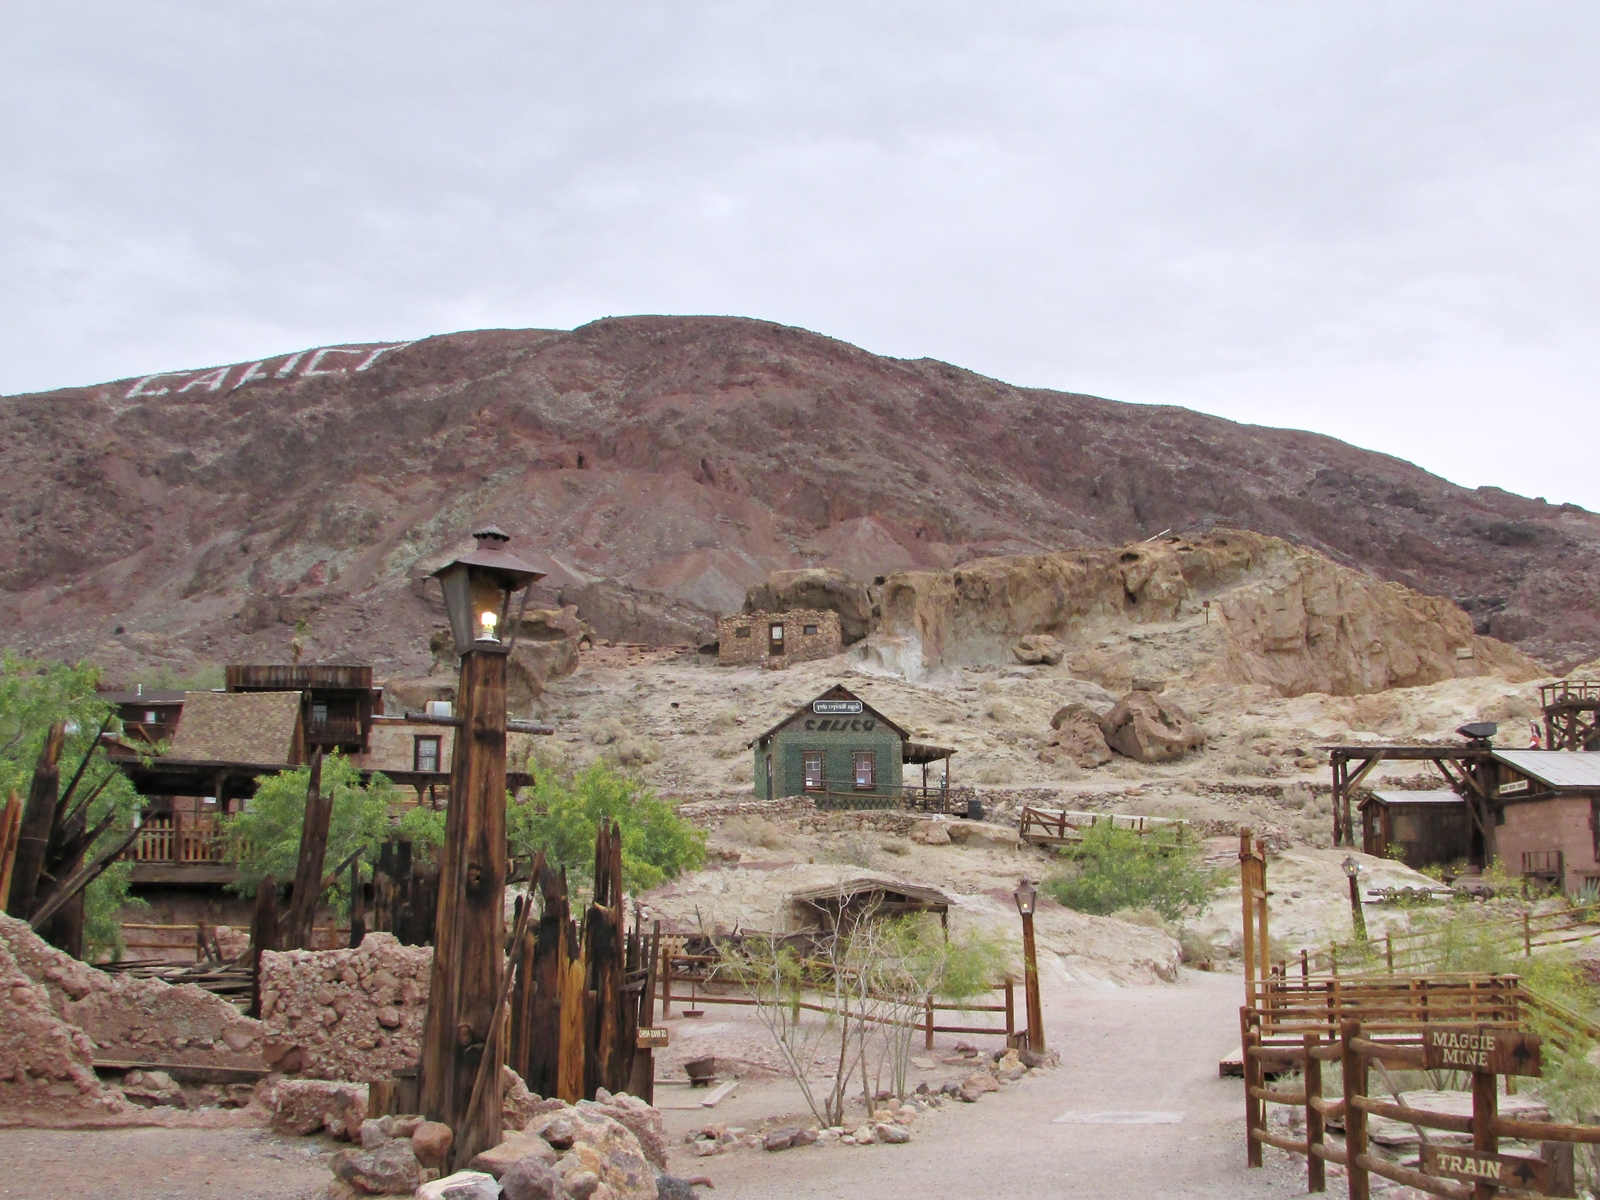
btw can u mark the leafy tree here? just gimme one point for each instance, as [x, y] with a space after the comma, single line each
[264, 839]
[34, 696]
[562, 814]
[1114, 869]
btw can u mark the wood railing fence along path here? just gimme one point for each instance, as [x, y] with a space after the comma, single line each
[1061, 827]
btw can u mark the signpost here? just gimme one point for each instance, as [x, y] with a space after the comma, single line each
[1485, 1048]
[835, 708]
[651, 1039]
[1477, 1166]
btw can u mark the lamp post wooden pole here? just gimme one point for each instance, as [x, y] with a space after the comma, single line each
[469, 936]
[1030, 967]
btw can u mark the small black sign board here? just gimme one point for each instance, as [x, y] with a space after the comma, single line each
[1478, 1166]
[1486, 1048]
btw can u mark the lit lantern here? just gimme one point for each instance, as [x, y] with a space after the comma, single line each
[478, 588]
[1025, 895]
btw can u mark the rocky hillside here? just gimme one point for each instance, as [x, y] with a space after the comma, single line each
[664, 466]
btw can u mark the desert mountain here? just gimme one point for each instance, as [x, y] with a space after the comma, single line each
[662, 466]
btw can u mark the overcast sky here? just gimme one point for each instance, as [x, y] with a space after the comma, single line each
[1376, 220]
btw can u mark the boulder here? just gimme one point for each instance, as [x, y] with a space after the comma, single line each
[1148, 728]
[603, 1145]
[530, 1179]
[581, 1185]
[305, 1106]
[674, 1187]
[463, 1185]
[816, 588]
[373, 1134]
[930, 833]
[151, 1089]
[976, 1084]
[517, 1104]
[643, 1121]
[1077, 736]
[1037, 648]
[390, 1170]
[781, 1138]
[497, 1160]
[431, 1142]
[981, 833]
[893, 1135]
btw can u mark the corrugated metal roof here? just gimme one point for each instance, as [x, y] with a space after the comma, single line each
[1441, 796]
[1556, 768]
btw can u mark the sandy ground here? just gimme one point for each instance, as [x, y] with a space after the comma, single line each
[1148, 1051]
[160, 1164]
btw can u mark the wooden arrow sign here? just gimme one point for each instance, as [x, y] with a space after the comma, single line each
[1486, 1048]
[1478, 1166]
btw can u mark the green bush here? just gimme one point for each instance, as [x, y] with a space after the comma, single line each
[1114, 869]
[561, 816]
[264, 839]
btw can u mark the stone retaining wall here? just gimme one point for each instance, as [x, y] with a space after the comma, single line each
[345, 1014]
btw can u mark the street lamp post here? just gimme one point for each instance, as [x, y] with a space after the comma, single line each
[469, 935]
[1025, 896]
[1352, 869]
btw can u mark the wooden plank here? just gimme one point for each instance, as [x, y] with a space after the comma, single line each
[38, 815]
[719, 1093]
[1488, 1048]
[1477, 1166]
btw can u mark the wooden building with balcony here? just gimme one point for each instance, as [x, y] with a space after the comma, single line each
[337, 701]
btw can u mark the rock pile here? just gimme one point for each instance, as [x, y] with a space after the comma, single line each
[610, 1148]
[57, 1015]
[345, 1014]
[1142, 725]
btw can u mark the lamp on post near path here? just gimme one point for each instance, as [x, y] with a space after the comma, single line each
[1352, 868]
[1025, 896]
[469, 934]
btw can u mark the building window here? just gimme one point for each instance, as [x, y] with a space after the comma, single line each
[742, 631]
[319, 714]
[149, 716]
[808, 629]
[866, 770]
[811, 761]
[425, 754]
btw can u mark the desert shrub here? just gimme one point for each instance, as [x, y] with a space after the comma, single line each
[850, 850]
[1112, 869]
[608, 732]
[741, 772]
[634, 751]
[995, 773]
[561, 816]
[753, 831]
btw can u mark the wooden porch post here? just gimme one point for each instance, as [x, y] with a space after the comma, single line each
[469, 932]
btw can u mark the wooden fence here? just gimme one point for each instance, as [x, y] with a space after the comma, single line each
[696, 970]
[1451, 1171]
[1060, 827]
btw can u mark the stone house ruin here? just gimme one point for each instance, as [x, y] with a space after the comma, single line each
[778, 639]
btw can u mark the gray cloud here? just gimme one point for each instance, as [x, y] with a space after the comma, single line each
[1377, 221]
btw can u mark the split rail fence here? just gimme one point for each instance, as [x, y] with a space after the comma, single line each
[696, 971]
[1451, 1170]
[1059, 827]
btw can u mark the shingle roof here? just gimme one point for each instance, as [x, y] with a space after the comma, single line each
[246, 727]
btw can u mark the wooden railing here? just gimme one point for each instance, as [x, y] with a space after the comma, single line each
[1451, 1171]
[1283, 1010]
[160, 840]
[698, 972]
[891, 797]
[1046, 826]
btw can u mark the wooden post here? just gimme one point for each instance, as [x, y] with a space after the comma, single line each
[469, 935]
[10, 828]
[1253, 1107]
[358, 904]
[1527, 937]
[313, 851]
[1316, 1175]
[38, 817]
[1485, 1105]
[666, 983]
[263, 936]
[1355, 1119]
[1030, 967]
[927, 1030]
[1011, 1010]
[1388, 950]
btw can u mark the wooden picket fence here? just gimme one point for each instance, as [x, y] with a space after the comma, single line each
[1451, 1171]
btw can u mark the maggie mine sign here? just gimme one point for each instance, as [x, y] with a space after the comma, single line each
[1485, 1048]
[1478, 1166]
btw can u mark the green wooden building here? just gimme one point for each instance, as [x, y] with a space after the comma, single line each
[844, 753]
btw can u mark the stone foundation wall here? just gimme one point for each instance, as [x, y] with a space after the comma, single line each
[345, 1014]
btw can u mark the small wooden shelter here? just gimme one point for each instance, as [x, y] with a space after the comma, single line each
[1429, 828]
[837, 907]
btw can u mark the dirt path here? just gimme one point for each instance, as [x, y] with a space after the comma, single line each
[160, 1164]
[1149, 1050]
